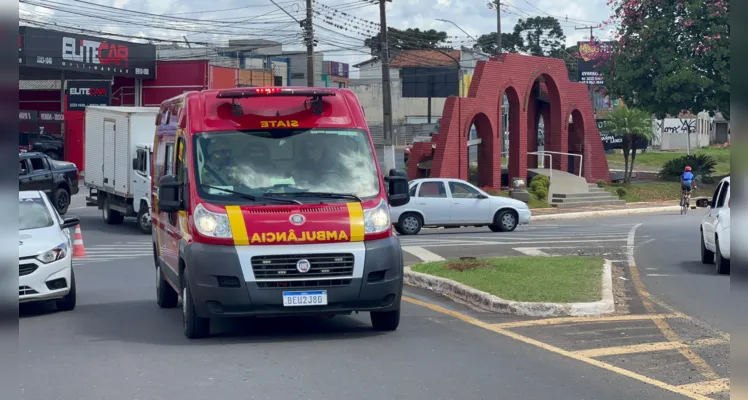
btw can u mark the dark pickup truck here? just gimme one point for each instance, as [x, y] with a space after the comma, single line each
[58, 179]
[51, 145]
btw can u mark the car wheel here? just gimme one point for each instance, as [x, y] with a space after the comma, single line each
[111, 217]
[62, 200]
[144, 219]
[505, 221]
[195, 327]
[53, 155]
[385, 320]
[166, 296]
[707, 256]
[410, 224]
[67, 303]
[723, 265]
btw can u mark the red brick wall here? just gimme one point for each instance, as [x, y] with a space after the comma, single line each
[516, 73]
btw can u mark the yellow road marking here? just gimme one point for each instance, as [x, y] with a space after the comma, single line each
[238, 228]
[356, 217]
[670, 334]
[645, 348]
[557, 350]
[708, 387]
[573, 320]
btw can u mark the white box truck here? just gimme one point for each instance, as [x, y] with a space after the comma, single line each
[118, 150]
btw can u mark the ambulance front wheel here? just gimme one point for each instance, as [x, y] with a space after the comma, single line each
[195, 327]
[385, 320]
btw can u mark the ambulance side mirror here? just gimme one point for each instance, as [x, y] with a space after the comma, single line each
[169, 194]
[399, 192]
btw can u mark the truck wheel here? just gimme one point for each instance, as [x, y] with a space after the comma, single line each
[385, 320]
[62, 200]
[195, 327]
[144, 219]
[166, 296]
[111, 217]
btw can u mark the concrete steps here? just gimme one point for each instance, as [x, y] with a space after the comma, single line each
[594, 197]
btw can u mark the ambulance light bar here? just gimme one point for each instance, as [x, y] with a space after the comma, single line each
[273, 91]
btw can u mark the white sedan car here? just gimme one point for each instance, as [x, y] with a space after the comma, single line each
[437, 202]
[715, 228]
[45, 247]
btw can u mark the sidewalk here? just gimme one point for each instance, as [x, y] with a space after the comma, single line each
[628, 206]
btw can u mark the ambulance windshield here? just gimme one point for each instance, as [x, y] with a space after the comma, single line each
[286, 161]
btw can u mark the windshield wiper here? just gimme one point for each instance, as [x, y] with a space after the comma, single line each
[249, 196]
[323, 194]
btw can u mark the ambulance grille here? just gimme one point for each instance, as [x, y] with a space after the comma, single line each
[284, 267]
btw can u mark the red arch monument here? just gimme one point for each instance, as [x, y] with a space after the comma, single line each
[524, 79]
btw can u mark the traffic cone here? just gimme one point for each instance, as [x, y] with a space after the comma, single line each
[79, 251]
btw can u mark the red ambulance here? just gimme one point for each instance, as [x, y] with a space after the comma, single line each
[271, 202]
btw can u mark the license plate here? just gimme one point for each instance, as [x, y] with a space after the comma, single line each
[300, 299]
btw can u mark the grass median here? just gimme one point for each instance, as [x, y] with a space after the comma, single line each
[529, 279]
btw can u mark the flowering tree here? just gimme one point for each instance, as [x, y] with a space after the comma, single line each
[670, 55]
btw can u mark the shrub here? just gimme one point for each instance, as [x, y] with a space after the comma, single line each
[621, 192]
[539, 186]
[702, 167]
[600, 183]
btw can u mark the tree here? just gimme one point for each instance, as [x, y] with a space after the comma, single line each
[537, 36]
[409, 39]
[671, 56]
[633, 126]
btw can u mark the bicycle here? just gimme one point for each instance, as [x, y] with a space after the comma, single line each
[685, 202]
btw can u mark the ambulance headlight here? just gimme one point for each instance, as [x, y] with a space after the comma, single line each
[211, 224]
[377, 219]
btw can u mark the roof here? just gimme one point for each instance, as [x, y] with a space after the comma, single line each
[419, 58]
[152, 110]
[425, 58]
[29, 194]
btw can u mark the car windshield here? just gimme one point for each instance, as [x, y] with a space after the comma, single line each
[285, 162]
[33, 214]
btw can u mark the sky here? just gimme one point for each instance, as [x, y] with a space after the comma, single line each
[340, 25]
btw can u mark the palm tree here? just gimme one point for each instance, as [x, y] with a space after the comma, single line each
[633, 126]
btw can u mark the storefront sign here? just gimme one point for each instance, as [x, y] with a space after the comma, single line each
[51, 116]
[42, 48]
[81, 94]
[27, 116]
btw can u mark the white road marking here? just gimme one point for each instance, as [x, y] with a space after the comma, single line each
[423, 254]
[659, 275]
[531, 251]
[468, 243]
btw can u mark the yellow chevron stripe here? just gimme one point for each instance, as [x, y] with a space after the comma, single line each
[238, 228]
[356, 217]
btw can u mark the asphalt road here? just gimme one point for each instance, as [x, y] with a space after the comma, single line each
[117, 344]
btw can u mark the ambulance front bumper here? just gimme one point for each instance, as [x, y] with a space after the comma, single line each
[233, 281]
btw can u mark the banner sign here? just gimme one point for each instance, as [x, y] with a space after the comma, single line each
[51, 116]
[589, 57]
[88, 93]
[27, 116]
[43, 48]
[611, 141]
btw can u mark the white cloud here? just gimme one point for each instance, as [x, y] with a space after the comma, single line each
[261, 19]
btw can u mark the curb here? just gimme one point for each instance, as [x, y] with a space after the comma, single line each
[603, 213]
[487, 302]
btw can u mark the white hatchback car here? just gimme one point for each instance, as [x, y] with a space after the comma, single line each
[715, 228]
[45, 252]
[444, 202]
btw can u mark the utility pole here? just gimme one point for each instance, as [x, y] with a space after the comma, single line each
[384, 57]
[309, 36]
[591, 28]
[498, 26]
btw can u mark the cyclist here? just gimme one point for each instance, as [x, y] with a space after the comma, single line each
[687, 181]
